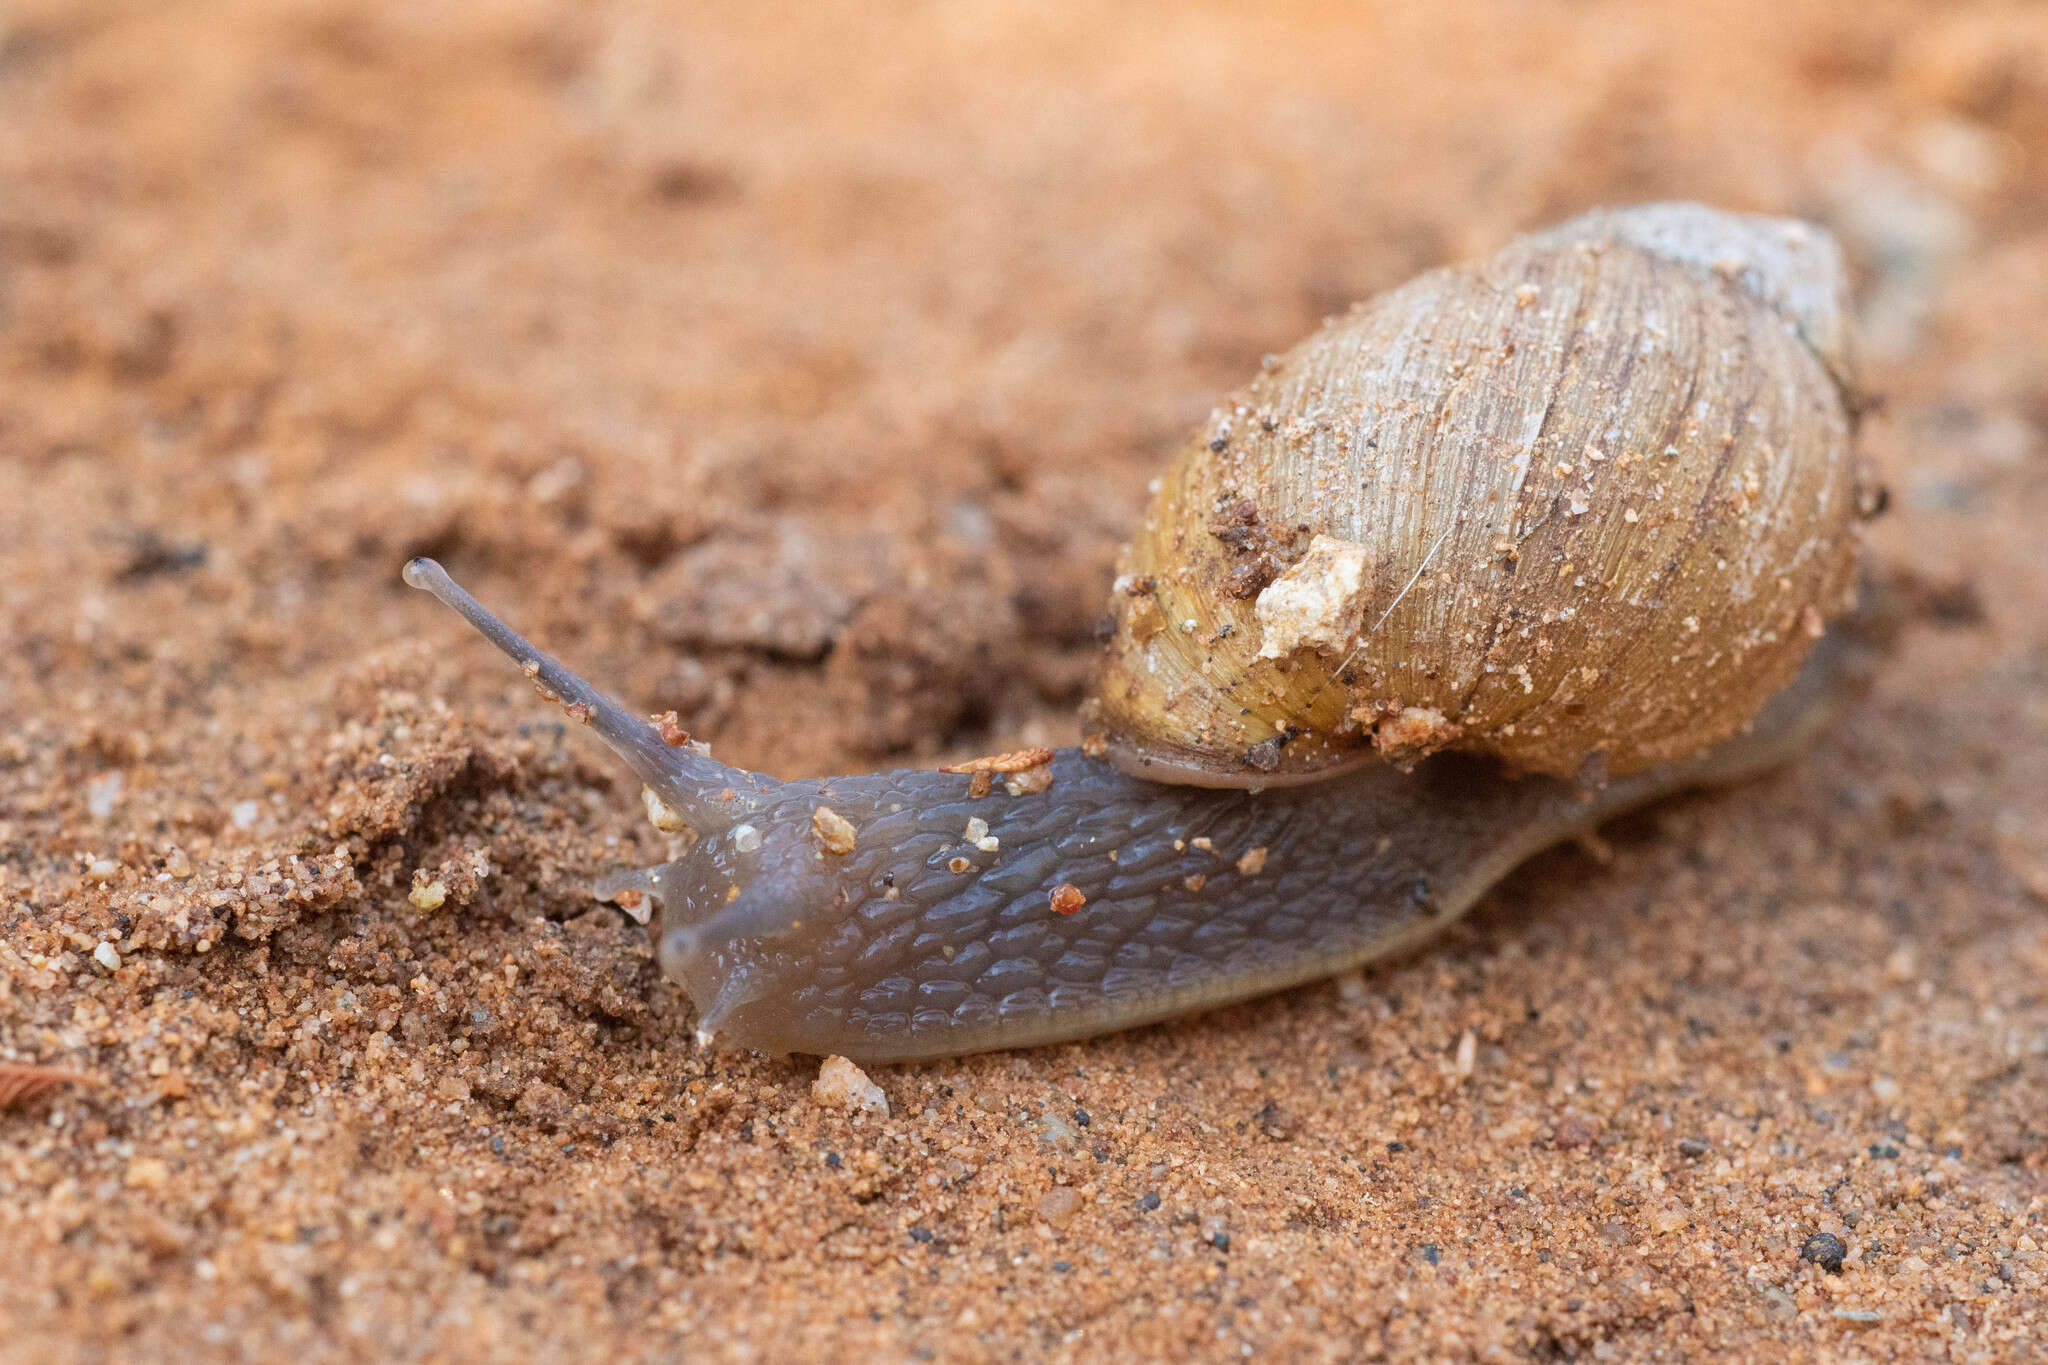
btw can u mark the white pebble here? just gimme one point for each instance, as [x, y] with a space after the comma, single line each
[101, 793]
[661, 814]
[244, 813]
[842, 1085]
[107, 957]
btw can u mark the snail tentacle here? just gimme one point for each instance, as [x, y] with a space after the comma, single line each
[706, 794]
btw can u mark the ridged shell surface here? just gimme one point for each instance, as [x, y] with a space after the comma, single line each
[1584, 505]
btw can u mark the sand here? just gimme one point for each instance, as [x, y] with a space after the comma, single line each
[801, 371]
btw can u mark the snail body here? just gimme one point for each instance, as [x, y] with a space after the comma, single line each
[1227, 829]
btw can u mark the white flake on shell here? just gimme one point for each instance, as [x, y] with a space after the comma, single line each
[1319, 603]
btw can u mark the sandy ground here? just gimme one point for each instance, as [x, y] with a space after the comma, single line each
[801, 371]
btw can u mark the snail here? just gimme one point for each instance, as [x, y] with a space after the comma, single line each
[1509, 550]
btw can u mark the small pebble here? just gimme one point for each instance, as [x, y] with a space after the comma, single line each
[842, 1085]
[1576, 1131]
[1669, 1217]
[1468, 1052]
[833, 831]
[1825, 1250]
[1781, 1304]
[243, 814]
[661, 814]
[102, 794]
[1149, 1200]
[107, 957]
[1058, 1205]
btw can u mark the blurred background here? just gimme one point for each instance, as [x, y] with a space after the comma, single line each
[851, 337]
[801, 367]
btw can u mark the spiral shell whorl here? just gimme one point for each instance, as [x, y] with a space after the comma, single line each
[1584, 505]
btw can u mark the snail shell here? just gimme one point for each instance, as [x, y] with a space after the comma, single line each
[1584, 506]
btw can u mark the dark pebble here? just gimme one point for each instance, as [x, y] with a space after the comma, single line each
[1430, 1253]
[1060, 1267]
[832, 1160]
[920, 1234]
[1694, 1147]
[1081, 1117]
[1883, 1151]
[1149, 1200]
[1825, 1250]
[1220, 1240]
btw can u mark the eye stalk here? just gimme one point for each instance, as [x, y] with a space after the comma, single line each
[707, 794]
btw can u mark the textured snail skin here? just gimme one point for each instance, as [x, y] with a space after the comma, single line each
[923, 942]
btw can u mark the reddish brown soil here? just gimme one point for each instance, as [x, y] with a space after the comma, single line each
[800, 372]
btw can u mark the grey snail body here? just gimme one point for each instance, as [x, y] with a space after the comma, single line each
[1577, 515]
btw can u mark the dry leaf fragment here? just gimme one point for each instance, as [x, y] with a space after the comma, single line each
[23, 1083]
